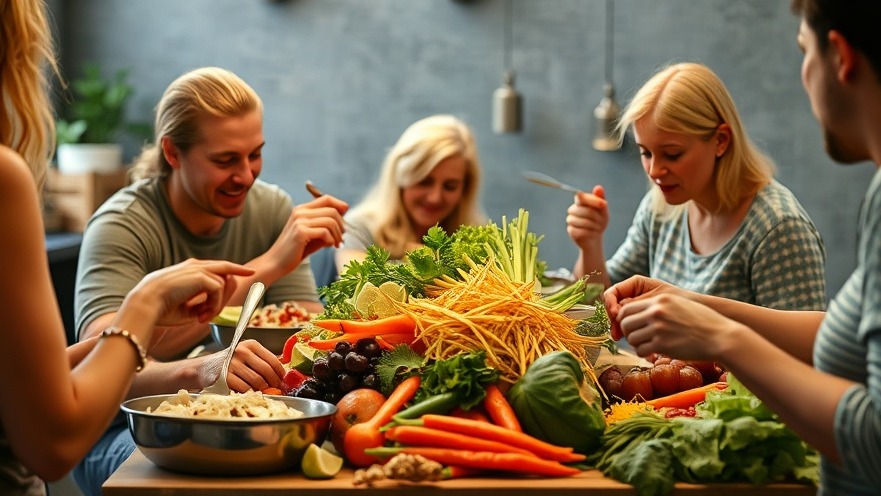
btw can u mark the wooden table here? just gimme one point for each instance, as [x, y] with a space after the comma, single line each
[138, 476]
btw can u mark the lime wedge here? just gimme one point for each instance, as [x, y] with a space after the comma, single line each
[378, 302]
[394, 291]
[302, 357]
[228, 316]
[318, 463]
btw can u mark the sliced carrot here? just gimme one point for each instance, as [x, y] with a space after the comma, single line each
[388, 340]
[499, 409]
[271, 390]
[389, 325]
[687, 398]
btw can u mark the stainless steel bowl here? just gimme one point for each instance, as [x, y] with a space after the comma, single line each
[224, 446]
[272, 338]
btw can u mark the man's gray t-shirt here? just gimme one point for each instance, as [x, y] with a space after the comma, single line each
[135, 232]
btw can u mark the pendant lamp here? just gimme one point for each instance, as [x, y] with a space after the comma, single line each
[507, 103]
[606, 113]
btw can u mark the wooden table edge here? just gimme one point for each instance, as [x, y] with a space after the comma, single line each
[138, 476]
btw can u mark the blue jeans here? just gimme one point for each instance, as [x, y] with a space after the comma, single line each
[106, 456]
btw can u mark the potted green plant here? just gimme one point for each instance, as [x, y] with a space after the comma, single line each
[95, 117]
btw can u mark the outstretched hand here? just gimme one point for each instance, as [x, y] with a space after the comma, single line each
[191, 291]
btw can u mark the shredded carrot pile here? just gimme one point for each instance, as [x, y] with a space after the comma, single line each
[623, 411]
[488, 311]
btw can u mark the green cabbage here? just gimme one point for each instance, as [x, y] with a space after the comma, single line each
[554, 404]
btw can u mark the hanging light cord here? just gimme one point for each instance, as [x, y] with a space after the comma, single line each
[610, 35]
[509, 34]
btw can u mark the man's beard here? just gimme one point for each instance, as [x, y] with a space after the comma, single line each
[840, 130]
[839, 151]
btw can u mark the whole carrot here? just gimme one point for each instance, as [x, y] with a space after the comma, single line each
[389, 325]
[458, 471]
[473, 414]
[423, 436]
[365, 435]
[508, 462]
[687, 398]
[499, 409]
[493, 432]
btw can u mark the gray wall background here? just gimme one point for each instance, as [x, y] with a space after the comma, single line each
[341, 79]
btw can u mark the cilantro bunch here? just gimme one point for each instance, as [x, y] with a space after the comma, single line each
[442, 254]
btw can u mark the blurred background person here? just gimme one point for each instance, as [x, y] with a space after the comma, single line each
[431, 176]
[715, 220]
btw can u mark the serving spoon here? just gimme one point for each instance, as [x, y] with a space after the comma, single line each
[550, 182]
[254, 294]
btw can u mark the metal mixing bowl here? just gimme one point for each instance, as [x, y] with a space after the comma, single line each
[227, 446]
[272, 338]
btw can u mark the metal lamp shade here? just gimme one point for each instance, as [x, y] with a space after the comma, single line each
[507, 107]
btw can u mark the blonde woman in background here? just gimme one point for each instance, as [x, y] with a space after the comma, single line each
[56, 402]
[817, 371]
[715, 221]
[431, 176]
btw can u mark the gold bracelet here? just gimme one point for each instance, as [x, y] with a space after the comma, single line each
[142, 353]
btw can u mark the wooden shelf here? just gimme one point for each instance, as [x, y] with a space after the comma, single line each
[76, 196]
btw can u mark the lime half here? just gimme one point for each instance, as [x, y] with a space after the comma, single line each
[378, 302]
[394, 291]
[318, 463]
[302, 357]
[228, 316]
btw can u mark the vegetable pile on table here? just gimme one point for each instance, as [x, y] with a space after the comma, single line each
[482, 373]
[732, 436]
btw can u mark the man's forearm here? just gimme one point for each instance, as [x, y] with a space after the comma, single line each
[167, 378]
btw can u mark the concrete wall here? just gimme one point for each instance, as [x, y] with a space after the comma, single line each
[341, 79]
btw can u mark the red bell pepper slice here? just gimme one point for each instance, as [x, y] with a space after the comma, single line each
[288, 349]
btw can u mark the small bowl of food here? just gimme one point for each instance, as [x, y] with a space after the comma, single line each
[271, 325]
[272, 338]
[239, 434]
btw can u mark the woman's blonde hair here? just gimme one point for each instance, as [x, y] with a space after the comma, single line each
[27, 123]
[208, 91]
[689, 98]
[417, 152]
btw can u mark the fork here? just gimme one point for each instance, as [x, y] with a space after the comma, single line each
[546, 180]
[317, 193]
[220, 386]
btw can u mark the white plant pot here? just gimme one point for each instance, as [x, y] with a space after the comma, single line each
[82, 158]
